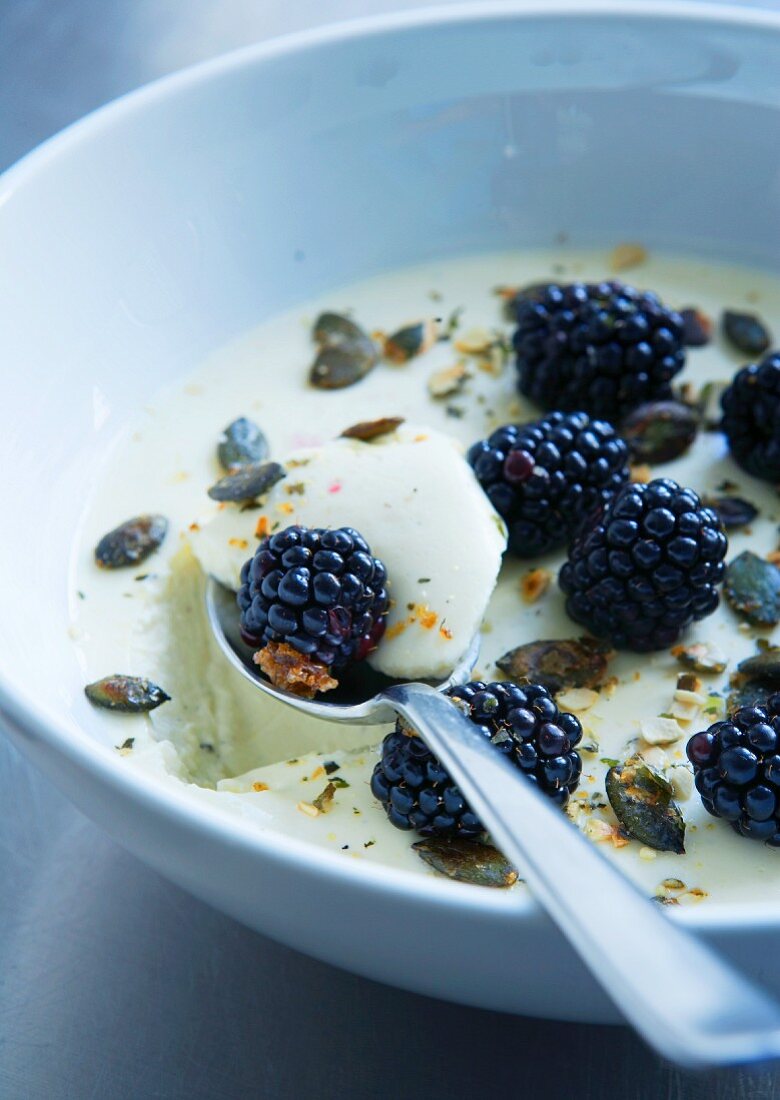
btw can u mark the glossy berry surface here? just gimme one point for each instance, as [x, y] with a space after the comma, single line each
[736, 765]
[602, 347]
[524, 723]
[751, 418]
[647, 567]
[544, 478]
[321, 591]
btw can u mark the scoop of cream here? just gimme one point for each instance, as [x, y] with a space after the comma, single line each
[415, 500]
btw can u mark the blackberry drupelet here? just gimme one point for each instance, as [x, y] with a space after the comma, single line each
[751, 418]
[736, 765]
[544, 478]
[523, 723]
[602, 347]
[320, 591]
[646, 567]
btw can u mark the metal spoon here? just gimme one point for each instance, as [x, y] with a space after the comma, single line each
[686, 1002]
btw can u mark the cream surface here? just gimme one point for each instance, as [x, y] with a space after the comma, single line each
[231, 746]
[442, 561]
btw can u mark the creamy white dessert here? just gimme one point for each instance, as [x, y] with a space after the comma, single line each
[398, 492]
[230, 746]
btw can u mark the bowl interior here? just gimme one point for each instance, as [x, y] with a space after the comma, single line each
[157, 230]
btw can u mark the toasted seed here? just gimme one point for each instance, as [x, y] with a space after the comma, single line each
[764, 665]
[131, 542]
[697, 327]
[125, 694]
[346, 352]
[410, 341]
[628, 254]
[247, 483]
[372, 429]
[701, 657]
[734, 512]
[450, 380]
[659, 431]
[746, 332]
[642, 801]
[467, 861]
[243, 444]
[752, 587]
[558, 664]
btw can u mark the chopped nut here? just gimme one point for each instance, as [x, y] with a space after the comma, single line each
[577, 699]
[628, 254]
[534, 584]
[445, 383]
[258, 786]
[647, 853]
[660, 731]
[681, 778]
[640, 475]
[286, 668]
[308, 809]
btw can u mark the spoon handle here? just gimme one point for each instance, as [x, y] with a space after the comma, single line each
[687, 1003]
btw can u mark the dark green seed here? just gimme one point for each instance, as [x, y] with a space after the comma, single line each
[346, 354]
[697, 327]
[410, 341]
[764, 665]
[131, 542]
[247, 483]
[752, 587]
[125, 694]
[746, 332]
[558, 664]
[734, 512]
[660, 431]
[243, 444]
[751, 693]
[642, 802]
[467, 861]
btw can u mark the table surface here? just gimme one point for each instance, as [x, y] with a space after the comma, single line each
[115, 984]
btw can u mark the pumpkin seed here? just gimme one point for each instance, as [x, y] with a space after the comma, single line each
[243, 444]
[701, 657]
[697, 327]
[642, 802]
[734, 512]
[372, 429]
[746, 332]
[247, 483]
[410, 341]
[467, 861]
[764, 665]
[752, 587]
[346, 353]
[336, 368]
[564, 663]
[751, 693]
[131, 542]
[126, 694]
[660, 431]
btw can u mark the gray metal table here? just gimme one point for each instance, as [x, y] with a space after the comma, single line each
[115, 985]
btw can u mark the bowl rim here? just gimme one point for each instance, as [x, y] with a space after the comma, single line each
[163, 798]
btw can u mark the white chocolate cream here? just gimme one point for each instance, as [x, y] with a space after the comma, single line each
[230, 745]
[398, 492]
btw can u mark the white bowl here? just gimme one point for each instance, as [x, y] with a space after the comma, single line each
[160, 227]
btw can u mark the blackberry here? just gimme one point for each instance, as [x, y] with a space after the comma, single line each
[602, 347]
[523, 723]
[646, 567]
[736, 765]
[544, 478]
[751, 418]
[319, 591]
